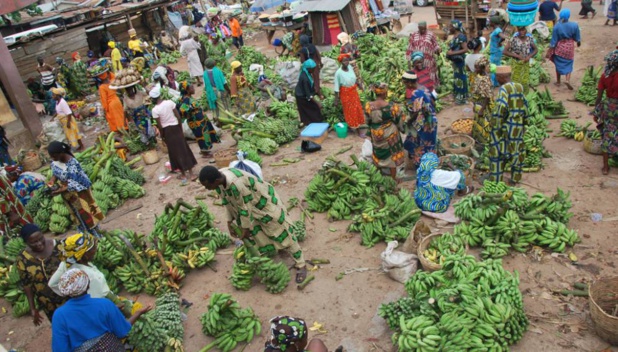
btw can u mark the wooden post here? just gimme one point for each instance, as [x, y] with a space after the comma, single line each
[129, 20]
[342, 23]
[17, 93]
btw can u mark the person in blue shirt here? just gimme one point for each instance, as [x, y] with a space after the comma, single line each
[86, 323]
[547, 14]
[496, 49]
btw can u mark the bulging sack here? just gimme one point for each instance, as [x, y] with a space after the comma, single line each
[398, 265]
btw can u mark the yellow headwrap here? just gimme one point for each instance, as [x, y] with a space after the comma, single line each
[111, 45]
[235, 65]
[74, 247]
[59, 91]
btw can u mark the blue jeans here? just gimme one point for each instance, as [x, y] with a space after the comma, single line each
[238, 42]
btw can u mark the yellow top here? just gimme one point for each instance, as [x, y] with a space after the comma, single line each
[116, 59]
[134, 45]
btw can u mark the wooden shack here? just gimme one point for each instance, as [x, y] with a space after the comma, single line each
[473, 13]
[331, 17]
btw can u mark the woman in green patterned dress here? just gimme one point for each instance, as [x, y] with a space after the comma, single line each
[457, 50]
[79, 77]
[521, 48]
[482, 101]
[384, 119]
[63, 77]
[198, 122]
[36, 264]
[240, 90]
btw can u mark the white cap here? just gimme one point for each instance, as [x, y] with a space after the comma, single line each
[155, 93]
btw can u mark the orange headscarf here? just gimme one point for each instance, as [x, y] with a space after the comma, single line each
[343, 56]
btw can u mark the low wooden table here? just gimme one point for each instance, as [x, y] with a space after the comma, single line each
[270, 30]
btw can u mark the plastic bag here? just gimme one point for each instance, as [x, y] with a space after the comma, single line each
[367, 150]
[53, 132]
[246, 165]
[398, 265]
[310, 147]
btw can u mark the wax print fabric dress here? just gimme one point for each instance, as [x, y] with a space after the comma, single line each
[521, 70]
[202, 128]
[384, 124]
[421, 127]
[254, 205]
[9, 202]
[507, 132]
[460, 82]
[428, 195]
[481, 90]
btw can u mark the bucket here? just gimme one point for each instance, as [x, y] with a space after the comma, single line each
[342, 129]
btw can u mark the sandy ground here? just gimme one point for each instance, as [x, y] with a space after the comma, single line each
[348, 307]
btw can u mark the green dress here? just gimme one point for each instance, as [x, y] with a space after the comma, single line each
[79, 79]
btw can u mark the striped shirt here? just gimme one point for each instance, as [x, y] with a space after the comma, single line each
[47, 76]
[424, 78]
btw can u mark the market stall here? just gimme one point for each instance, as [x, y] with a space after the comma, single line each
[472, 13]
[281, 22]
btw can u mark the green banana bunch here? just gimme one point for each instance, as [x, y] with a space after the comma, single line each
[275, 276]
[14, 247]
[167, 314]
[594, 135]
[587, 92]
[299, 230]
[147, 335]
[10, 290]
[251, 150]
[228, 323]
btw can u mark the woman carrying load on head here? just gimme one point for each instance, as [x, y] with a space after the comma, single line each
[562, 52]
[385, 120]
[198, 122]
[606, 110]
[347, 47]
[309, 108]
[346, 93]
[521, 48]
[114, 112]
[241, 90]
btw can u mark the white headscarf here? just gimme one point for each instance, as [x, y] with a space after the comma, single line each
[344, 38]
[446, 179]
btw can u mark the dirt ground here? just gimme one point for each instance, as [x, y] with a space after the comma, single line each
[348, 307]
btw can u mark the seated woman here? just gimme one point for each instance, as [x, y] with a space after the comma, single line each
[85, 323]
[290, 335]
[24, 183]
[434, 187]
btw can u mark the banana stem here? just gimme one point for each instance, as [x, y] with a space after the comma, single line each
[405, 217]
[208, 347]
[305, 282]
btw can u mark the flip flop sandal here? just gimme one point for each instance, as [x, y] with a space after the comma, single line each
[568, 84]
[301, 275]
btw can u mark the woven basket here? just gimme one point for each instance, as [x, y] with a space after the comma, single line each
[427, 265]
[467, 131]
[458, 139]
[603, 298]
[31, 163]
[224, 157]
[467, 173]
[593, 146]
[151, 157]
[419, 231]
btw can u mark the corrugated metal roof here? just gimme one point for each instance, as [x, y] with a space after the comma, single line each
[321, 5]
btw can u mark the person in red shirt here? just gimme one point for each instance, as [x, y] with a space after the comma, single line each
[236, 31]
[423, 74]
[606, 111]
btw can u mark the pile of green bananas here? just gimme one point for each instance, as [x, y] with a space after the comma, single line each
[147, 334]
[445, 70]
[587, 92]
[251, 150]
[248, 263]
[228, 323]
[442, 246]
[333, 113]
[167, 314]
[467, 305]
[10, 290]
[500, 218]
[538, 74]
[169, 58]
[570, 129]
[13, 249]
[49, 212]
[361, 193]
[594, 135]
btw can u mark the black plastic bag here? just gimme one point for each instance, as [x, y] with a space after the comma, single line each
[310, 147]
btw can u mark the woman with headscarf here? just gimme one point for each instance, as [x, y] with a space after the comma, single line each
[422, 126]
[240, 90]
[291, 335]
[216, 88]
[85, 323]
[24, 183]
[92, 59]
[456, 53]
[435, 188]
[63, 74]
[385, 121]
[606, 110]
[169, 126]
[79, 76]
[476, 46]
[13, 214]
[423, 73]
[521, 48]
[425, 41]
[114, 112]
[482, 101]
[309, 51]
[135, 106]
[495, 45]
[562, 46]
[309, 109]
[5, 157]
[36, 265]
[350, 49]
[78, 251]
[346, 92]
[198, 122]
[611, 11]
[75, 188]
[189, 48]
[64, 114]
[115, 56]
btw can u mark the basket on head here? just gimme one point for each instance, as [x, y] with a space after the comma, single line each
[461, 144]
[426, 263]
[224, 157]
[467, 173]
[603, 299]
[593, 146]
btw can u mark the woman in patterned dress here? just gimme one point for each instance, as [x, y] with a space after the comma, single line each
[482, 101]
[79, 77]
[290, 334]
[35, 265]
[198, 122]
[346, 93]
[347, 47]
[26, 183]
[63, 77]
[13, 214]
[64, 114]
[422, 125]
[385, 119]
[240, 90]
[606, 110]
[522, 49]
[75, 188]
[562, 47]
[435, 188]
[425, 42]
[134, 102]
[457, 50]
